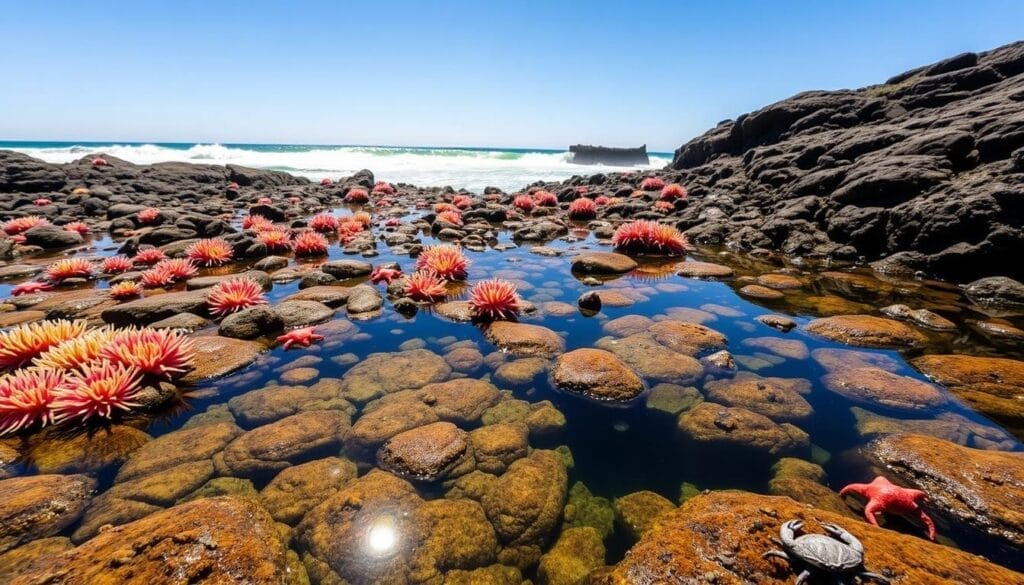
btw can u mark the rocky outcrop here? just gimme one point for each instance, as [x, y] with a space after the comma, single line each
[586, 154]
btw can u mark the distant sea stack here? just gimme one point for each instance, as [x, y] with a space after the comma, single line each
[585, 154]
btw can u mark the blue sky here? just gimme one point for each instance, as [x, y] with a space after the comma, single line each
[523, 73]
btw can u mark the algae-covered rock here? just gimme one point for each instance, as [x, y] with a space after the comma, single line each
[39, 506]
[574, 555]
[636, 513]
[585, 509]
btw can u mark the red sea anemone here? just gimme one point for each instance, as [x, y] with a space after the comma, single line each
[523, 202]
[384, 188]
[98, 390]
[23, 224]
[310, 244]
[358, 196]
[117, 264]
[545, 198]
[582, 208]
[99, 161]
[125, 290]
[26, 397]
[76, 226]
[42, 202]
[494, 299]
[257, 223]
[275, 240]
[62, 270]
[326, 182]
[386, 275]
[445, 261]
[425, 286]
[149, 256]
[160, 352]
[462, 201]
[77, 352]
[673, 191]
[324, 222]
[652, 184]
[649, 237]
[23, 343]
[452, 217]
[30, 288]
[210, 252]
[148, 215]
[233, 186]
[602, 200]
[234, 295]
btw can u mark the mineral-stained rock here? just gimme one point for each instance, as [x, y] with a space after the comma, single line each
[156, 307]
[18, 562]
[177, 447]
[805, 482]
[636, 513]
[686, 546]
[716, 425]
[993, 386]
[525, 504]
[266, 405]
[879, 388]
[787, 348]
[756, 291]
[39, 506]
[627, 325]
[687, 338]
[273, 447]
[384, 373]
[300, 488]
[520, 372]
[703, 270]
[948, 426]
[834, 359]
[461, 401]
[603, 263]
[773, 397]
[86, 451]
[866, 331]
[653, 360]
[428, 453]
[576, 552]
[922, 317]
[673, 398]
[525, 340]
[984, 489]
[497, 446]
[596, 373]
[217, 355]
[216, 540]
[454, 534]
[464, 359]
[376, 426]
[492, 575]
[780, 322]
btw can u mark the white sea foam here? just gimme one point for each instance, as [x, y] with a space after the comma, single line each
[460, 168]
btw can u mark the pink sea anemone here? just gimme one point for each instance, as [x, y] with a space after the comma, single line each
[257, 223]
[357, 196]
[165, 353]
[275, 240]
[20, 345]
[78, 227]
[99, 161]
[19, 225]
[602, 200]
[494, 299]
[30, 288]
[452, 217]
[148, 215]
[125, 290]
[310, 244]
[62, 270]
[384, 188]
[149, 256]
[234, 295]
[167, 272]
[652, 184]
[425, 286]
[445, 261]
[545, 198]
[264, 201]
[673, 191]
[324, 223]
[210, 252]
[99, 390]
[523, 203]
[326, 182]
[663, 206]
[26, 397]
[116, 264]
[582, 208]
[649, 237]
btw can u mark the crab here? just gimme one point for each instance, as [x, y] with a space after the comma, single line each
[839, 555]
[304, 336]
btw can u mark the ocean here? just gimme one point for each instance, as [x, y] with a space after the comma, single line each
[467, 168]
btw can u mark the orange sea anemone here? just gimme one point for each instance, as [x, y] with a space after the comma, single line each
[234, 295]
[545, 198]
[77, 352]
[99, 389]
[210, 252]
[125, 290]
[425, 286]
[494, 299]
[357, 196]
[160, 352]
[363, 217]
[445, 261]
[148, 215]
[78, 227]
[673, 191]
[20, 345]
[275, 240]
[462, 201]
[450, 216]
[257, 223]
[62, 270]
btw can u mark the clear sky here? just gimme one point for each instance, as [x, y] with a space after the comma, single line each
[516, 73]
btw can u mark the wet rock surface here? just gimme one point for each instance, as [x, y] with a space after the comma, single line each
[40, 506]
[597, 374]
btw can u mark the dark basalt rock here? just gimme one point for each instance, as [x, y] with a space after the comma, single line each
[585, 154]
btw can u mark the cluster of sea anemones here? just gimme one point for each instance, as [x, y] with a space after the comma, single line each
[652, 184]
[673, 191]
[649, 237]
[125, 290]
[494, 299]
[523, 203]
[210, 252]
[79, 227]
[446, 261]
[310, 243]
[445, 206]
[384, 188]
[19, 225]
[62, 270]
[167, 272]
[425, 286]
[582, 208]
[116, 265]
[324, 223]
[545, 198]
[234, 295]
[357, 196]
[148, 256]
[148, 215]
[77, 352]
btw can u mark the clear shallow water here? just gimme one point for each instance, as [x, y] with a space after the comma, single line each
[462, 168]
[619, 449]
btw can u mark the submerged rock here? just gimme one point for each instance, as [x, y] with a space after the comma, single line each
[39, 506]
[653, 360]
[428, 453]
[576, 553]
[603, 263]
[273, 447]
[877, 387]
[596, 373]
[525, 340]
[637, 512]
[300, 488]
[993, 386]
[948, 426]
[714, 425]
[384, 373]
[866, 331]
[773, 397]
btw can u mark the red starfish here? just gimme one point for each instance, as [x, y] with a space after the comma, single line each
[303, 337]
[27, 288]
[885, 497]
[385, 275]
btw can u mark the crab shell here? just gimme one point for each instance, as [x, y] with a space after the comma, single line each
[824, 552]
